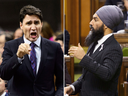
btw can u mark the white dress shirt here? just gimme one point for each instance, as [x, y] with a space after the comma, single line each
[37, 49]
[101, 41]
[3, 94]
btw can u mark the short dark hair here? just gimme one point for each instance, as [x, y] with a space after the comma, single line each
[59, 37]
[30, 10]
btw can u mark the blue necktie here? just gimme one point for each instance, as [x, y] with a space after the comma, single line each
[6, 94]
[33, 58]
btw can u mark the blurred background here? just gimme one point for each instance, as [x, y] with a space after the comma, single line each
[9, 13]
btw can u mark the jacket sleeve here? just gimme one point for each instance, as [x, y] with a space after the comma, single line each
[77, 84]
[9, 63]
[110, 62]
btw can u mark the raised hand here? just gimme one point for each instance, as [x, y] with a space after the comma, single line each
[23, 49]
[77, 52]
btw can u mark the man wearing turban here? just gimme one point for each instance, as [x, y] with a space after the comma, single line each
[102, 63]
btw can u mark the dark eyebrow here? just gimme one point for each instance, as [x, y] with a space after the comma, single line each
[28, 21]
[95, 18]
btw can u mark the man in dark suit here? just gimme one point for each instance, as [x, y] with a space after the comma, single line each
[102, 63]
[30, 70]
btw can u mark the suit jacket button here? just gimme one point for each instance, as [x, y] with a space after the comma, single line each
[95, 62]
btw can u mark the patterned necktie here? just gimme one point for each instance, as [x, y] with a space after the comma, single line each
[33, 58]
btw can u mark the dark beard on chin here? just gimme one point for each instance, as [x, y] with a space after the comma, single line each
[94, 36]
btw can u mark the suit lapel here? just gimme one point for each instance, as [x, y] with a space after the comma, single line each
[100, 49]
[28, 65]
[43, 56]
[89, 48]
[102, 46]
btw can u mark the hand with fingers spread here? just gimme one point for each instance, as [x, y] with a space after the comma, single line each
[77, 52]
[23, 49]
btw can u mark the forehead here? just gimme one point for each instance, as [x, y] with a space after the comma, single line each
[2, 38]
[125, 0]
[95, 16]
[1, 80]
[28, 18]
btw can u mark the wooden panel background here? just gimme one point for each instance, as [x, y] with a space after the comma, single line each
[85, 19]
[72, 20]
[78, 14]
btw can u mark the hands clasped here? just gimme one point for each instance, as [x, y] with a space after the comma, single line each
[23, 49]
[77, 52]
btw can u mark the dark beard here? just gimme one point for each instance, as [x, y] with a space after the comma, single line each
[94, 35]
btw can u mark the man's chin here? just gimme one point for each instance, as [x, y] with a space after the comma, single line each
[32, 39]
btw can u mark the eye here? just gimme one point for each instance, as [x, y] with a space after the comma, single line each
[95, 19]
[36, 22]
[29, 23]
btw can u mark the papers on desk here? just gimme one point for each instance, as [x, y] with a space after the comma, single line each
[121, 31]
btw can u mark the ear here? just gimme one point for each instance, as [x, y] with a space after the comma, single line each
[42, 24]
[105, 26]
[21, 25]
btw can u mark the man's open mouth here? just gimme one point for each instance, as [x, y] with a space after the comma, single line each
[33, 34]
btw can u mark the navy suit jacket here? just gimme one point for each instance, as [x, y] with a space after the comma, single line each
[21, 79]
[101, 70]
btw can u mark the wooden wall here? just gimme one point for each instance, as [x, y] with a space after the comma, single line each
[85, 19]
[72, 20]
[78, 14]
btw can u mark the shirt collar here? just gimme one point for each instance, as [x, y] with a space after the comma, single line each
[104, 38]
[37, 42]
[3, 94]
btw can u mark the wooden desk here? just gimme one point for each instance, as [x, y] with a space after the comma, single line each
[70, 66]
[122, 38]
[122, 77]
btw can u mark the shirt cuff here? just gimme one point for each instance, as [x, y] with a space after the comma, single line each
[20, 60]
[73, 88]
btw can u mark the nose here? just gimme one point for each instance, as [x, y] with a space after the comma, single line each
[33, 27]
[91, 22]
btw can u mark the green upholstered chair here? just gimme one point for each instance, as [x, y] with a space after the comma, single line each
[125, 51]
[76, 62]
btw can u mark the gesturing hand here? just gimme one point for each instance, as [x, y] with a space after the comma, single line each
[23, 49]
[68, 90]
[77, 52]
